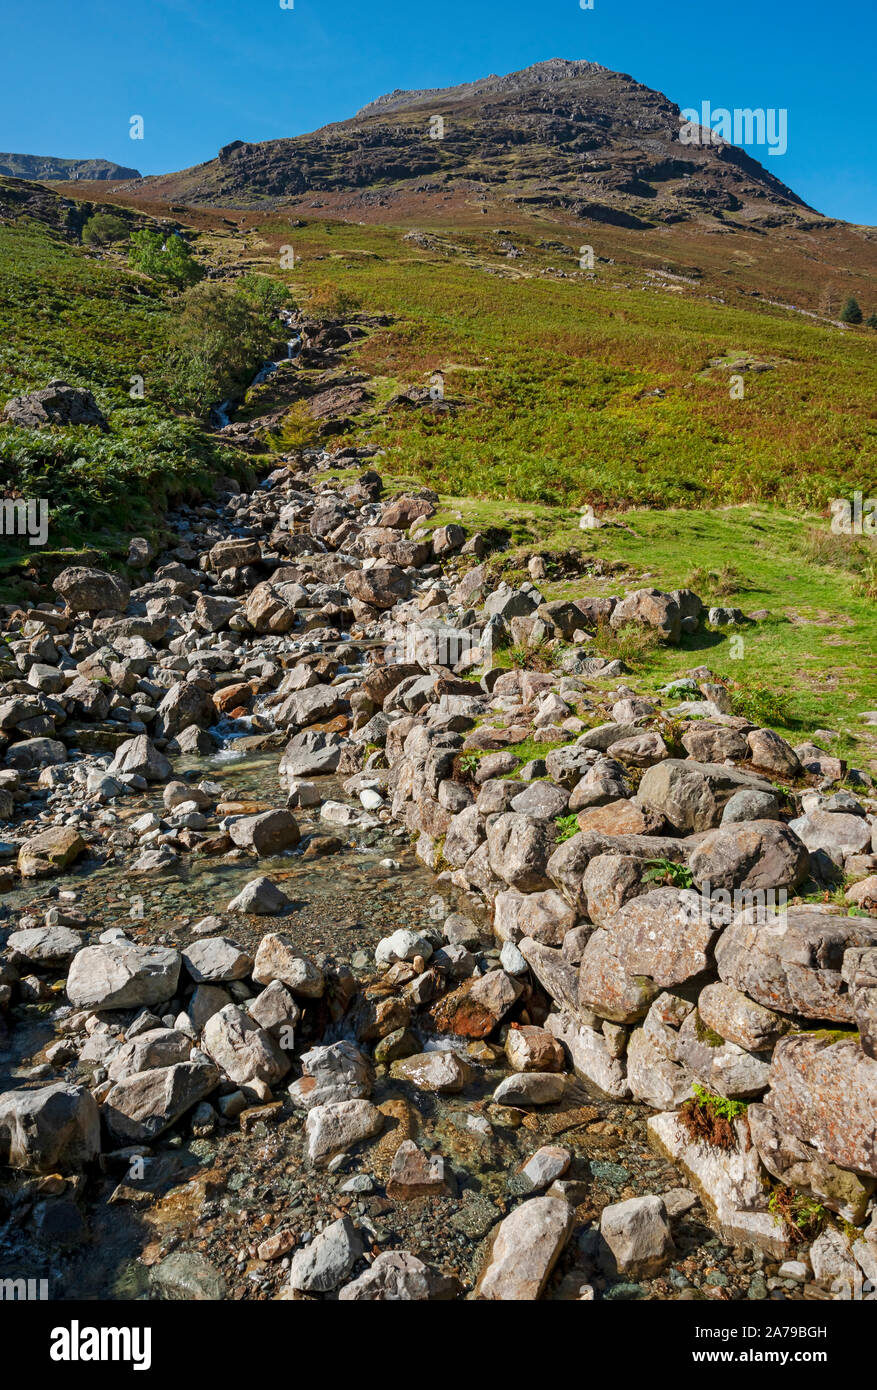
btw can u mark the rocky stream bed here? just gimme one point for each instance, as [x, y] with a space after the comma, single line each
[312, 987]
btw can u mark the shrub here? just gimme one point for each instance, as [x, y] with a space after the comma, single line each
[851, 313]
[103, 228]
[631, 643]
[218, 337]
[164, 257]
[331, 301]
[802, 1216]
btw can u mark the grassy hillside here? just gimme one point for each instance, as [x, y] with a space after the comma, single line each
[570, 389]
[556, 376]
[65, 314]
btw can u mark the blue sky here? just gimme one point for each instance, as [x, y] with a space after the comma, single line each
[203, 72]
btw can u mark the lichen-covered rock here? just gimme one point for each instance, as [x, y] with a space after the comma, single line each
[799, 1165]
[545, 917]
[750, 855]
[739, 1019]
[823, 1089]
[518, 849]
[607, 987]
[692, 795]
[792, 962]
[665, 934]
[729, 1181]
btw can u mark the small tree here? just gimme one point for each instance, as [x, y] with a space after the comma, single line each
[851, 313]
[103, 228]
[164, 258]
[871, 321]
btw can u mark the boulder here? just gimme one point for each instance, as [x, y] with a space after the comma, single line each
[397, 1276]
[518, 851]
[529, 1048]
[215, 959]
[51, 1129]
[792, 962]
[334, 1129]
[260, 897]
[139, 757]
[382, 586]
[332, 1073]
[761, 854]
[278, 958]
[57, 404]
[140, 1107]
[665, 934]
[692, 795]
[823, 1089]
[266, 834]
[650, 608]
[243, 1050]
[636, 1238]
[526, 1247]
[120, 975]
[328, 1260]
[50, 851]
[837, 834]
[440, 1072]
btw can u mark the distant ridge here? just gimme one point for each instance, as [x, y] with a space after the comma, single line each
[46, 167]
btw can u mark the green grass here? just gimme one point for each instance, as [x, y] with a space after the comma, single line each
[94, 324]
[550, 374]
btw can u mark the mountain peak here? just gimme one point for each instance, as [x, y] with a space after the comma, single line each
[551, 70]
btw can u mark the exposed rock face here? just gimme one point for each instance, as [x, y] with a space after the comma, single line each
[48, 167]
[547, 114]
[56, 404]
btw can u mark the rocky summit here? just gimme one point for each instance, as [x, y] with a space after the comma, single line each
[568, 135]
[359, 961]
